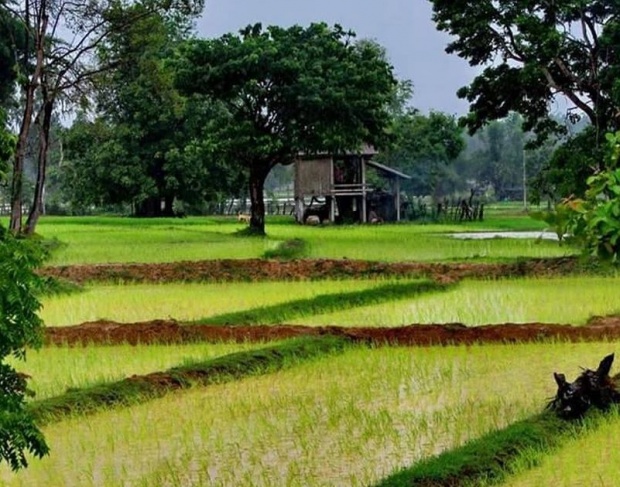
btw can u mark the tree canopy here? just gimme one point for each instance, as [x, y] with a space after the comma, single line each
[534, 51]
[288, 91]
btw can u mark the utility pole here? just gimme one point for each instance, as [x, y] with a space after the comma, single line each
[524, 181]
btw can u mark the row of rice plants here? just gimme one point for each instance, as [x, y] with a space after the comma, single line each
[108, 239]
[55, 369]
[343, 302]
[187, 301]
[571, 300]
[349, 419]
[588, 460]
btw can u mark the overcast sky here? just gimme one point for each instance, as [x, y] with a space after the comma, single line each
[403, 27]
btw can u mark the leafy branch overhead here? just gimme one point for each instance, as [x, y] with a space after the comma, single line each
[533, 51]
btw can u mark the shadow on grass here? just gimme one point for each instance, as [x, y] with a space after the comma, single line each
[325, 303]
[142, 388]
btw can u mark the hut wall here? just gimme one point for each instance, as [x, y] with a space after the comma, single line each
[313, 177]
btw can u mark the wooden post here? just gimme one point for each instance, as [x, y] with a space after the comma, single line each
[364, 209]
[332, 200]
[397, 189]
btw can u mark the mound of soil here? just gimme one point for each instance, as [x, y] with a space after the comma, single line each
[168, 331]
[269, 270]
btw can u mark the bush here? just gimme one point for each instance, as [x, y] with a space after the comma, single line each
[20, 327]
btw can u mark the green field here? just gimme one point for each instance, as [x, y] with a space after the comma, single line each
[348, 418]
[343, 420]
[115, 239]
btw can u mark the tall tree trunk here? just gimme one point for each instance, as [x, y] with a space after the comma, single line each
[17, 182]
[258, 174]
[44, 136]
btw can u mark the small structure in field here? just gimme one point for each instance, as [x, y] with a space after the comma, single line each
[336, 188]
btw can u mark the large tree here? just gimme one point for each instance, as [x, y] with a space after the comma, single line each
[146, 145]
[58, 65]
[533, 52]
[289, 91]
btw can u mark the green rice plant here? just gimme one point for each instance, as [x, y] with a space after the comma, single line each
[587, 459]
[289, 310]
[347, 419]
[185, 301]
[571, 300]
[288, 250]
[56, 369]
[136, 388]
[107, 239]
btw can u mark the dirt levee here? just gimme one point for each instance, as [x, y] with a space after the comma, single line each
[263, 270]
[166, 331]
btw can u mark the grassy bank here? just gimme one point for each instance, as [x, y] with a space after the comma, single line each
[55, 369]
[138, 388]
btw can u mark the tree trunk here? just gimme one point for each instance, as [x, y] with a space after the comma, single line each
[149, 208]
[17, 181]
[258, 174]
[44, 137]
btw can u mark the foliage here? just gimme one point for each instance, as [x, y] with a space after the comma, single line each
[20, 327]
[595, 221]
[558, 220]
[423, 146]
[286, 91]
[7, 146]
[61, 69]
[148, 136]
[534, 51]
[567, 170]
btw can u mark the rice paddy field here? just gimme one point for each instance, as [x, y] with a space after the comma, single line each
[356, 414]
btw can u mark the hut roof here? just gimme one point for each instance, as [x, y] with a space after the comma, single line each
[390, 170]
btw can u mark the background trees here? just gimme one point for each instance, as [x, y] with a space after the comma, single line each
[55, 70]
[423, 146]
[534, 52]
[286, 91]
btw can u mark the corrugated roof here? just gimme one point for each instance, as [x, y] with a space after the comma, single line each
[390, 170]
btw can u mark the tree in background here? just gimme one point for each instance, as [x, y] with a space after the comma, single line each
[533, 52]
[422, 146]
[54, 70]
[150, 148]
[288, 91]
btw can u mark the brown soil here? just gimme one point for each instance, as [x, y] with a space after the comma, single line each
[263, 270]
[162, 331]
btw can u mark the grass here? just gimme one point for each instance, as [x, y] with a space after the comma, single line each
[55, 369]
[570, 300]
[113, 239]
[137, 389]
[379, 302]
[348, 419]
[186, 301]
[288, 311]
[484, 458]
[589, 459]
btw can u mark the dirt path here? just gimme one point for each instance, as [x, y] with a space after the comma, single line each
[162, 331]
[265, 270]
